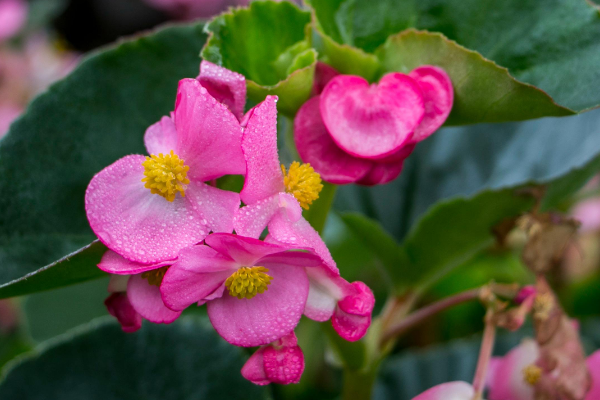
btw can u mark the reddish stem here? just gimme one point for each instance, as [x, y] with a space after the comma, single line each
[485, 354]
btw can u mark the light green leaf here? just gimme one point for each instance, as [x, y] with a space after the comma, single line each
[256, 42]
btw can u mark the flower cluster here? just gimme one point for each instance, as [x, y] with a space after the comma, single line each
[169, 230]
[353, 132]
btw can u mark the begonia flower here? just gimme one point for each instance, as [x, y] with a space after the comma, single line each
[226, 86]
[135, 291]
[448, 391]
[275, 199]
[255, 292]
[149, 208]
[281, 361]
[13, 15]
[356, 132]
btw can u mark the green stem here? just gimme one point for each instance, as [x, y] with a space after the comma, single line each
[358, 384]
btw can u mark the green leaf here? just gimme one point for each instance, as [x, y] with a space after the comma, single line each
[257, 42]
[461, 182]
[184, 360]
[552, 45]
[484, 92]
[79, 126]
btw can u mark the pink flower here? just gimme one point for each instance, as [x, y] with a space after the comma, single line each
[8, 113]
[135, 291]
[356, 132]
[588, 213]
[279, 362]
[255, 291]
[227, 87]
[13, 14]
[276, 199]
[149, 208]
[448, 391]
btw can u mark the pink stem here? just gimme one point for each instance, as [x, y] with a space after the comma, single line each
[485, 354]
[428, 311]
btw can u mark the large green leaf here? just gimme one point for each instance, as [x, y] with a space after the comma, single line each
[461, 182]
[484, 92]
[82, 124]
[185, 360]
[262, 43]
[552, 45]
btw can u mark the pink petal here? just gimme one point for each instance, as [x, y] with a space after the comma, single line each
[225, 86]
[265, 317]
[593, 364]
[113, 263]
[316, 147]
[361, 303]
[198, 272]
[254, 369]
[290, 258]
[320, 303]
[284, 365]
[323, 74]
[507, 380]
[400, 155]
[438, 96]
[209, 135]
[244, 251]
[119, 307]
[263, 174]
[372, 121]
[146, 300]
[251, 220]
[382, 173]
[161, 137]
[13, 15]
[141, 226]
[215, 206]
[588, 213]
[449, 391]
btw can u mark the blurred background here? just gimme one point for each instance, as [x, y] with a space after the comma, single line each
[41, 41]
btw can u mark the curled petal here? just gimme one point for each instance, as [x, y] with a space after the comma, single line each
[448, 391]
[141, 226]
[265, 317]
[209, 136]
[259, 144]
[316, 147]
[226, 86]
[381, 173]
[280, 362]
[161, 137]
[352, 317]
[113, 263]
[438, 96]
[372, 121]
[146, 300]
[119, 307]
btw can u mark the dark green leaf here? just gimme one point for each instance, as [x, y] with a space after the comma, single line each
[257, 42]
[461, 182]
[82, 124]
[185, 360]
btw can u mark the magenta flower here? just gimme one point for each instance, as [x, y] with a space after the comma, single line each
[226, 86]
[149, 208]
[135, 291]
[449, 391]
[279, 362]
[13, 14]
[275, 199]
[255, 291]
[356, 132]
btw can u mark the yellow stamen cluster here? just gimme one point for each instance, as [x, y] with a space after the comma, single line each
[302, 182]
[155, 276]
[532, 374]
[165, 175]
[248, 282]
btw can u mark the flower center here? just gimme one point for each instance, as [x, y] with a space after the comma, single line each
[165, 175]
[155, 276]
[532, 374]
[302, 182]
[248, 282]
